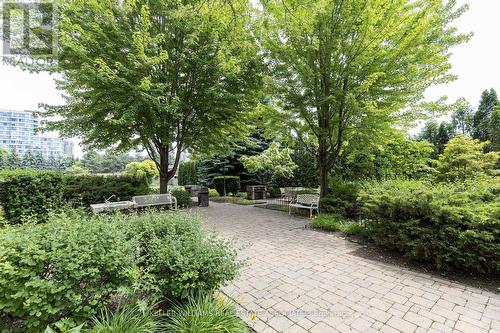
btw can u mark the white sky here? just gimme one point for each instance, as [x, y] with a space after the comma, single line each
[476, 63]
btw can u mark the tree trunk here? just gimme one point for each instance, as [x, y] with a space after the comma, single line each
[323, 180]
[323, 165]
[164, 175]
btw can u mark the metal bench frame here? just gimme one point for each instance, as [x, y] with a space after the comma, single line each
[307, 201]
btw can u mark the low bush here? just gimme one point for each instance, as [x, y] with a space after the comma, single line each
[30, 195]
[183, 197]
[203, 313]
[72, 266]
[65, 267]
[337, 222]
[342, 198]
[178, 256]
[90, 189]
[448, 225]
[212, 193]
[232, 184]
[331, 222]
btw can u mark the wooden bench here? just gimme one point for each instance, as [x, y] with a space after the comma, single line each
[307, 201]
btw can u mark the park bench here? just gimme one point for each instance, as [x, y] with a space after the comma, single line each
[139, 201]
[142, 201]
[306, 201]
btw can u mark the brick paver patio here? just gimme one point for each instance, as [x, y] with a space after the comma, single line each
[300, 280]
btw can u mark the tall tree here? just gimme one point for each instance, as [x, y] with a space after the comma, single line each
[462, 117]
[494, 129]
[4, 156]
[13, 161]
[489, 100]
[28, 161]
[445, 133]
[464, 158]
[348, 68]
[429, 132]
[164, 75]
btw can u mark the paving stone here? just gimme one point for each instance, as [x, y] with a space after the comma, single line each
[295, 329]
[466, 327]
[318, 282]
[418, 320]
[280, 323]
[401, 325]
[378, 315]
[322, 328]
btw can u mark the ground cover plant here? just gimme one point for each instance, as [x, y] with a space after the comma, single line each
[337, 222]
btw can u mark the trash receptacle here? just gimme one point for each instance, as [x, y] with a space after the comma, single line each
[203, 197]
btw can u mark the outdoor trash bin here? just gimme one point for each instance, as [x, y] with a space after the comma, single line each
[203, 197]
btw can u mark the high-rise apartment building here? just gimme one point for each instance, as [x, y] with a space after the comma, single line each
[18, 132]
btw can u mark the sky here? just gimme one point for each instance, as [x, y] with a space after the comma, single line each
[477, 64]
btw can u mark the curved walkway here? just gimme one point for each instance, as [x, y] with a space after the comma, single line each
[300, 280]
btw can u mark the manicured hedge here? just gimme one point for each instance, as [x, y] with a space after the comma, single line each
[448, 225]
[30, 195]
[232, 184]
[89, 189]
[74, 265]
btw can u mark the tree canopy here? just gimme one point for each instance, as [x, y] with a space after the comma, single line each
[464, 158]
[165, 75]
[489, 101]
[346, 69]
[272, 164]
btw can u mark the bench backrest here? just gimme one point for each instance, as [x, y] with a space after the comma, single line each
[307, 199]
[153, 199]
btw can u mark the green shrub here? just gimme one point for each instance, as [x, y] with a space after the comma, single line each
[342, 198]
[145, 169]
[308, 191]
[30, 195]
[246, 202]
[331, 222]
[273, 192]
[213, 193]
[179, 256]
[203, 313]
[232, 184]
[354, 228]
[65, 267]
[183, 197]
[72, 266]
[449, 225]
[90, 189]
